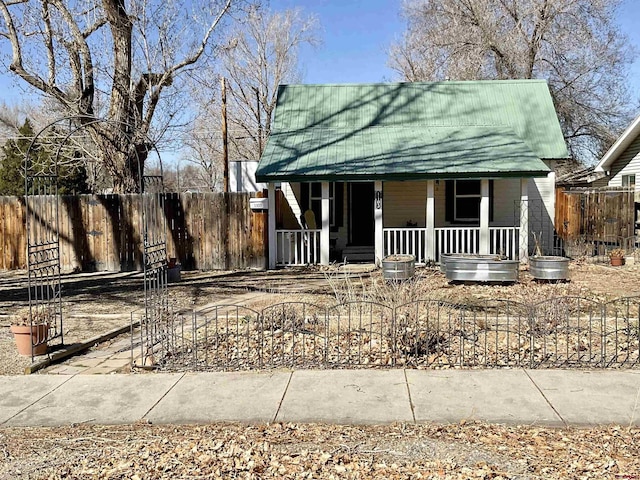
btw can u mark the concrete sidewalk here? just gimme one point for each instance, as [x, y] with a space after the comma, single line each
[542, 397]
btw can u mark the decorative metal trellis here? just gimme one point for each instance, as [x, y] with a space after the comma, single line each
[43, 251]
[67, 136]
[156, 303]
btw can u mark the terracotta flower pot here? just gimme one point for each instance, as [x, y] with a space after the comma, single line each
[617, 261]
[26, 336]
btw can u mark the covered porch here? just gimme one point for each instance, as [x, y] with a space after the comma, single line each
[368, 221]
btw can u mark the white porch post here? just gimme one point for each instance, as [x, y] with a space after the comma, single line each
[378, 202]
[524, 220]
[271, 221]
[484, 217]
[430, 239]
[324, 233]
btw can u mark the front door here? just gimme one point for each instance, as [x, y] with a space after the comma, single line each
[362, 221]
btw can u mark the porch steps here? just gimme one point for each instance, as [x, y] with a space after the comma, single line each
[356, 254]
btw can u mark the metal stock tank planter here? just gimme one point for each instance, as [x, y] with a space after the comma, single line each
[481, 268]
[398, 267]
[549, 267]
[444, 258]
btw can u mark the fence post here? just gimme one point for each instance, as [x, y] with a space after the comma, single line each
[392, 333]
[532, 319]
[326, 338]
[194, 338]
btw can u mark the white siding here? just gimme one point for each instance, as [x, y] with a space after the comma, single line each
[242, 177]
[404, 202]
[627, 164]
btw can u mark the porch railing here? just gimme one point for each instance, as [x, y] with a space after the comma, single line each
[405, 241]
[457, 240]
[505, 241]
[412, 241]
[297, 247]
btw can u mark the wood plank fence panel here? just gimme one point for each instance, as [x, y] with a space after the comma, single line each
[596, 214]
[205, 231]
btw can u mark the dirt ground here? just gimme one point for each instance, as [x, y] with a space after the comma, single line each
[287, 451]
[98, 302]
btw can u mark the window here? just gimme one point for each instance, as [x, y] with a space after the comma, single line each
[628, 180]
[463, 201]
[466, 201]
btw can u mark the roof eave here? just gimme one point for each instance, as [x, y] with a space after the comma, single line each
[399, 176]
[619, 146]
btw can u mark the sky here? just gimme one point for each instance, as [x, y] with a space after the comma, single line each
[355, 36]
[357, 33]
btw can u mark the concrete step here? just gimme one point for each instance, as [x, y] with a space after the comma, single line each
[355, 253]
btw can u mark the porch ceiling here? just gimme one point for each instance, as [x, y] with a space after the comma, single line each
[397, 153]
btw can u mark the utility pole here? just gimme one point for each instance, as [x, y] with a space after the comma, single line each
[225, 159]
[259, 123]
[225, 149]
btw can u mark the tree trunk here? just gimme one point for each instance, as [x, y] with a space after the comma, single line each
[123, 158]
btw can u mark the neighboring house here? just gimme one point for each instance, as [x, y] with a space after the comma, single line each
[242, 177]
[419, 168]
[621, 163]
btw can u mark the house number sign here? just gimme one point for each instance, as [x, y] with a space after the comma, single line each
[378, 199]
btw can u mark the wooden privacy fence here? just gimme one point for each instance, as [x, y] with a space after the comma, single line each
[206, 231]
[595, 214]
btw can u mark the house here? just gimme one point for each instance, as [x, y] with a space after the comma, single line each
[621, 163]
[417, 168]
[620, 166]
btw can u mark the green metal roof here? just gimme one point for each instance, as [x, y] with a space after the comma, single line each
[412, 130]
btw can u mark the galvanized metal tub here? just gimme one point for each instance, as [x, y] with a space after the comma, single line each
[482, 268]
[444, 257]
[398, 267]
[549, 267]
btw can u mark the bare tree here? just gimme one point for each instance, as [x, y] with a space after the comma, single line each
[203, 143]
[574, 44]
[112, 59]
[260, 52]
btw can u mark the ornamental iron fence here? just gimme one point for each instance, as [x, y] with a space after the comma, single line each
[558, 332]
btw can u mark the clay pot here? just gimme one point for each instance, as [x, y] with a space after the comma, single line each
[28, 335]
[616, 261]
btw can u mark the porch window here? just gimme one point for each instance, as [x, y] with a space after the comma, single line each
[463, 201]
[628, 180]
[467, 201]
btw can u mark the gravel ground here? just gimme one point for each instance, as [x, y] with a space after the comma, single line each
[99, 302]
[287, 451]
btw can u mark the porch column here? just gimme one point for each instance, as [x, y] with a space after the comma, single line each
[378, 201]
[324, 233]
[430, 236]
[271, 221]
[484, 217]
[524, 220]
